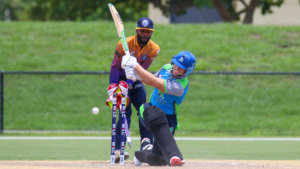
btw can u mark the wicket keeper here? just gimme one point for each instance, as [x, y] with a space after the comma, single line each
[145, 51]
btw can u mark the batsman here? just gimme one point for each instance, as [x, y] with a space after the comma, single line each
[159, 116]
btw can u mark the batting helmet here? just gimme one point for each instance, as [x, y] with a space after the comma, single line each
[185, 60]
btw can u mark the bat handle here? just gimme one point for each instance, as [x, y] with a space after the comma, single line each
[127, 53]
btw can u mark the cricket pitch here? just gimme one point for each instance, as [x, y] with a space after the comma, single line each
[199, 164]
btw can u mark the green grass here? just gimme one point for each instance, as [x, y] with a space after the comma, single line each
[242, 105]
[215, 105]
[100, 149]
[68, 46]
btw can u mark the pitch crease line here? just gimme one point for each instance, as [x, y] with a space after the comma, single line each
[137, 138]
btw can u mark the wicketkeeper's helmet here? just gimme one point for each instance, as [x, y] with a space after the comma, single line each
[185, 60]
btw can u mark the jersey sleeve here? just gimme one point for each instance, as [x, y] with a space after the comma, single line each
[156, 50]
[120, 49]
[175, 87]
[116, 64]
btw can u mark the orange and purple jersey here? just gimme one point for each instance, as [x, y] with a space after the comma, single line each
[144, 57]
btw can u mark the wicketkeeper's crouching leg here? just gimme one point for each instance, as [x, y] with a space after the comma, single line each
[156, 122]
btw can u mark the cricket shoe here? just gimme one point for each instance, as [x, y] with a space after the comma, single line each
[117, 156]
[146, 145]
[149, 157]
[176, 161]
[136, 162]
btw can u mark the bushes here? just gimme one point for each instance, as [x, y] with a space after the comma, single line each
[75, 10]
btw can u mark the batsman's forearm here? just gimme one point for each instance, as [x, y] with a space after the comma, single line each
[149, 78]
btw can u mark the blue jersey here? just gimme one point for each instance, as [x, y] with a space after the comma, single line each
[175, 91]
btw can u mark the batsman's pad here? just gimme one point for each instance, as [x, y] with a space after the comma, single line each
[154, 117]
[157, 124]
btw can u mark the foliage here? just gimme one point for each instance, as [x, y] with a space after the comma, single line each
[266, 5]
[78, 10]
[87, 10]
[8, 9]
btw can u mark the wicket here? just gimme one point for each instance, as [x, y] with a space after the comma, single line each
[121, 106]
[113, 130]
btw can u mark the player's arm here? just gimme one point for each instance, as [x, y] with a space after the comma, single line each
[149, 78]
[116, 64]
[130, 65]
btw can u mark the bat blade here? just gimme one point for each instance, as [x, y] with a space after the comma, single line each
[119, 25]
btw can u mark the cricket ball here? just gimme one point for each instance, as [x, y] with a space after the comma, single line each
[95, 110]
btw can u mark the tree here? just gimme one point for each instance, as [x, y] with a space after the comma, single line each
[8, 9]
[84, 9]
[78, 10]
[226, 8]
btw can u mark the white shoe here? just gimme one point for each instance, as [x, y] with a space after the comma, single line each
[136, 162]
[146, 145]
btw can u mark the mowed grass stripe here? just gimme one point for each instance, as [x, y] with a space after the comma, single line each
[100, 150]
[137, 138]
[77, 46]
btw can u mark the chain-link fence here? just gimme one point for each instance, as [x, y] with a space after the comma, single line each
[218, 103]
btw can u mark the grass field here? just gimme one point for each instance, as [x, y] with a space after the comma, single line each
[50, 153]
[216, 105]
[71, 46]
[100, 150]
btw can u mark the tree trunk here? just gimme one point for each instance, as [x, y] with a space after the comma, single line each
[250, 12]
[223, 11]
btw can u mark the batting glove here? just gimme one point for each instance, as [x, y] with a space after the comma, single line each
[130, 73]
[129, 61]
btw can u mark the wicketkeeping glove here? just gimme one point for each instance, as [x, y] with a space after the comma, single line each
[112, 88]
[115, 88]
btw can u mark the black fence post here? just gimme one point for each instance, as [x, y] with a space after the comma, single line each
[2, 102]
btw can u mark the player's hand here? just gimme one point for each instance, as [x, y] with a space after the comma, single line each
[130, 73]
[129, 61]
[110, 91]
[112, 88]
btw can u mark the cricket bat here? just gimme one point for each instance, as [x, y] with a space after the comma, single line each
[119, 25]
[121, 32]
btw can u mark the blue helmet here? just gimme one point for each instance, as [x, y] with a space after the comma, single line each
[185, 60]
